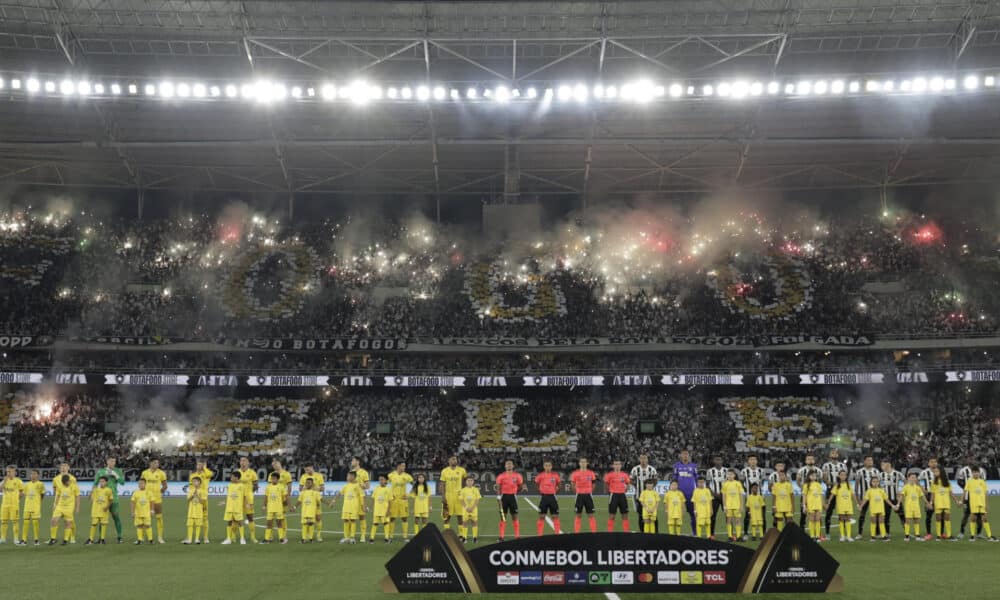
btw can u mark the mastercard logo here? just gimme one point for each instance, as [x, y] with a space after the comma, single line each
[645, 578]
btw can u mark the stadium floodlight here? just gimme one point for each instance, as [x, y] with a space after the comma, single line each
[311, 92]
[83, 88]
[919, 84]
[471, 93]
[116, 89]
[937, 84]
[149, 89]
[166, 89]
[949, 84]
[1, 83]
[296, 91]
[740, 89]
[66, 87]
[344, 93]
[423, 93]
[15, 84]
[328, 91]
[516, 92]
[406, 93]
[487, 93]
[33, 85]
[247, 91]
[803, 88]
[690, 90]
[888, 85]
[50, 87]
[659, 91]
[854, 87]
[837, 87]
[439, 93]
[871, 86]
[532, 93]
[906, 85]
[98, 88]
[133, 89]
[820, 87]
[359, 92]
[676, 90]
[970, 82]
[707, 90]
[392, 93]
[454, 94]
[199, 90]
[598, 91]
[565, 93]
[501, 93]
[789, 89]
[756, 88]
[374, 92]
[989, 81]
[278, 91]
[183, 90]
[643, 90]
[580, 93]
[549, 93]
[611, 92]
[723, 89]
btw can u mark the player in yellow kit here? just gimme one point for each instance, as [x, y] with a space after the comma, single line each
[67, 505]
[421, 494]
[100, 511]
[755, 508]
[844, 497]
[812, 491]
[276, 496]
[319, 486]
[235, 504]
[701, 497]
[205, 474]
[469, 498]
[34, 491]
[249, 479]
[941, 490]
[57, 484]
[876, 498]
[309, 500]
[142, 513]
[399, 480]
[650, 502]
[451, 481]
[381, 499]
[732, 503]
[349, 512]
[156, 485]
[197, 500]
[362, 478]
[782, 493]
[976, 492]
[674, 504]
[13, 489]
[913, 496]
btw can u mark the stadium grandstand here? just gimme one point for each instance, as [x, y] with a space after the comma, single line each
[342, 240]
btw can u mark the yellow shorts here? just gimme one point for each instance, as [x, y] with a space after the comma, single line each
[99, 520]
[9, 513]
[157, 500]
[783, 514]
[380, 519]
[421, 514]
[31, 515]
[733, 513]
[449, 506]
[756, 523]
[912, 513]
[348, 515]
[63, 513]
[877, 513]
[675, 522]
[233, 516]
[470, 516]
[399, 509]
[248, 508]
[704, 522]
[648, 516]
[308, 520]
[977, 510]
[195, 522]
[939, 511]
[142, 521]
[846, 514]
[276, 516]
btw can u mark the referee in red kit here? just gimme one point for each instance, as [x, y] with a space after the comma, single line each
[617, 482]
[509, 483]
[548, 485]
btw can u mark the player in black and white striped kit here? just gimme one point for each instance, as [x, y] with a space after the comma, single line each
[750, 475]
[892, 482]
[641, 473]
[779, 467]
[862, 481]
[715, 476]
[926, 479]
[832, 469]
[964, 474]
[802, 477]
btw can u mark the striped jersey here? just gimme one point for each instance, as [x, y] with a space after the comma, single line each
[803, 474]
[640, 475]
[715, 477]
[831, 472]
[750, 476]
[926, 480]
[863, 479]
[965, 473]
[773, 478]
[892, 482]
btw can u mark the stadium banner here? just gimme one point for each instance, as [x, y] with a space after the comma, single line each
[18, 377]
[972, 376]
[179, 489]
[676, 342]
[785, 562]
[12, 342]
[562, 380]
[147, 379]
[841, 378]
[706, 379]
[424, 381]
[288, 380]
[320, 344]
[145, 340]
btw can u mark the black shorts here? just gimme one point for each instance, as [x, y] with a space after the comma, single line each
[508, 504]
[584, 502]
[619, 503]
[548, 505]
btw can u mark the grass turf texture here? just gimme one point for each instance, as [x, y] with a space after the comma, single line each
[871, 570]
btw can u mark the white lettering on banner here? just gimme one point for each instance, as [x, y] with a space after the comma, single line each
[770, 379]
[288, 380]
[20, 377]
[149, 379]
[609, 558]
[15, 341]
[631, 380]
[707, 379]
[356, 381]
[321, 344]
[972, 376]
[489, 381]
[179, 489]
[841, 378]
[424, 381]
[911, 377]
[563, 380]
[218, 380]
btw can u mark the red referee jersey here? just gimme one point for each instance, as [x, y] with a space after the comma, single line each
[548, 482]
[583, 481]
[509, 482]
[617, 482]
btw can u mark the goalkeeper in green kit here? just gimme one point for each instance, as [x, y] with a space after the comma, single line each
[115, 476]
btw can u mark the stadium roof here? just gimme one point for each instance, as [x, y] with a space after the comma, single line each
[591, 150]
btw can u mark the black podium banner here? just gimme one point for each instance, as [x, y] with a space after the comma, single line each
[785, 562]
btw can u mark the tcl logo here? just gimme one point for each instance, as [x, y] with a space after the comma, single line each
[714, 577]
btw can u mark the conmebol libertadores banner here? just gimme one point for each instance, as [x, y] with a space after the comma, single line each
[785, 562]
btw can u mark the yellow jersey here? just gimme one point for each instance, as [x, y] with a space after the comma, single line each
[674, 502]
[205, 476]
[381, 496]
[421, 499]
[100, 501]
[782, 492]
[649, 500]
[813, 492]
[361, 477]
[399, 482]
[154, 481]
[197, 502]
[57, 482]
[942, 497]
[453, 479]
[977, 491]
[141, 504]
[352, 494]
[276, 494]
[309, 500]
[702, 499]
[913, 494]
[12, 489]
[66, 497]
[732, 495]
[284, 477]
[876, 499]
[33, 493]
[236, 497]
[467, 497]
[845, 499]
[318, 481]
[755, 506]
[248, 478]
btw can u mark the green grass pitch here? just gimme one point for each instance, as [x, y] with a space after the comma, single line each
[331, 570]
